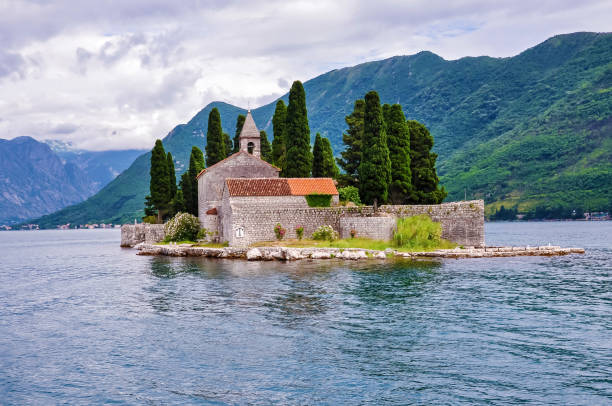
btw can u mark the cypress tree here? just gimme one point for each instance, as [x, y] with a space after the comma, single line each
[351, 156]
[186, 187]
[228, 144]
[171, 175]
[149, 209]
[297, 135]
[178, 203]
[317, 157]
[423, 166]
[323, 164]
[159, 185]
[278, 143]
[265, 148]
[330, 170]
[189, 183]
[215, 146]
[398, 141]
[239, 123]
[375, 167]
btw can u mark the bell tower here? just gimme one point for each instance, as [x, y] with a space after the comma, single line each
[249, 137]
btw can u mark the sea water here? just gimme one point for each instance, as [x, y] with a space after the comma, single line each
[83, 321]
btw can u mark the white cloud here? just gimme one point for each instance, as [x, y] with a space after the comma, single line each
[107, 74]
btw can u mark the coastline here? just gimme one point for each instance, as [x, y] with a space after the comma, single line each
[291, 253]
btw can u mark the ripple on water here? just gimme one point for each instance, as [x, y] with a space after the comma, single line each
[83, 321]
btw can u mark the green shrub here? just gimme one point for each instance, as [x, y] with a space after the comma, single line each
[349, 194]
[325, 233]
[150, 219]
[202, 234]
[299, 232]
[182, 227]
[418, 232]
[318, 200]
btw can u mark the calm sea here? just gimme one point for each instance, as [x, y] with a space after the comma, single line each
[83, 321]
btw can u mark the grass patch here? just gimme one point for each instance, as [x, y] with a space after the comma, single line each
[197, 244]
[419, 233]
[213, 244]
[363, 243]
[175, 242]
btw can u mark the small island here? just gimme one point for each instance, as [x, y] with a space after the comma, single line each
[246, 209]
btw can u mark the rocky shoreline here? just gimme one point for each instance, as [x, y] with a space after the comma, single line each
[290, 253]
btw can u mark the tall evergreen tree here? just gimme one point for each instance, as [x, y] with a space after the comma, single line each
[278, 143]
[297, 135]
[171, 175]
[159, 185]
[423, 166]
[351, 156]
[228, 144]
[239, 123]
[189, 183]
[265, 148]
[375, 167]
[178, 203]
[323, 164]
[215, 146]
[196, 164]
[187, 189]
[330, 170]
[149, 209]
[317, 157]
[398, 141]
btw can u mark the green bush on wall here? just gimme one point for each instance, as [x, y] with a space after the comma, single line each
[318, 200]
[349, 194]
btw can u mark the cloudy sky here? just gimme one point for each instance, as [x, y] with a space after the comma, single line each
[120, 73]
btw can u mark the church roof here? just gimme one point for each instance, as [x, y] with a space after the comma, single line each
[280, 186]
[249, 129]
[233, 156]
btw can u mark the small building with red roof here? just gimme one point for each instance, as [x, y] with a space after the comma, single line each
[244, 180]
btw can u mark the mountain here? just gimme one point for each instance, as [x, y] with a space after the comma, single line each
[35, 180]
[533, 129]
[100, 167]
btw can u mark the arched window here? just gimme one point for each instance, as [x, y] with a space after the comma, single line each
[240, 232]
[250, 147]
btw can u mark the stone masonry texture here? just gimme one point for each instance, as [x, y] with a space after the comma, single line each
[132, 234]
[247, 223]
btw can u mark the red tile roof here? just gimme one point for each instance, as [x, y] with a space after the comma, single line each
[258, 187]
[307, 186]
[280, 186]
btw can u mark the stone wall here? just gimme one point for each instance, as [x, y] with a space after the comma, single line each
[375, 227]
[132, 234]
[462, 222]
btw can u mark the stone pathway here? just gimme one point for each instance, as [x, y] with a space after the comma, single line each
[289, 254]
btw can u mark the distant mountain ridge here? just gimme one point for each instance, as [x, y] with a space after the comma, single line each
[531, 129]
[35, 180]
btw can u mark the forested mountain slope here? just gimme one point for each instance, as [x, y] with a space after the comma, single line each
[533, 129]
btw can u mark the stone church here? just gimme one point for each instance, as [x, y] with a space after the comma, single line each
[242, 198]
[243, 180]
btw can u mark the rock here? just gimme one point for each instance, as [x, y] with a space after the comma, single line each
[292, 254]
[353, 255]
[320, 255]
[379, 255]
[254, 254]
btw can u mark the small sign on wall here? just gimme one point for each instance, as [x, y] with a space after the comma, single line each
[240, 232]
